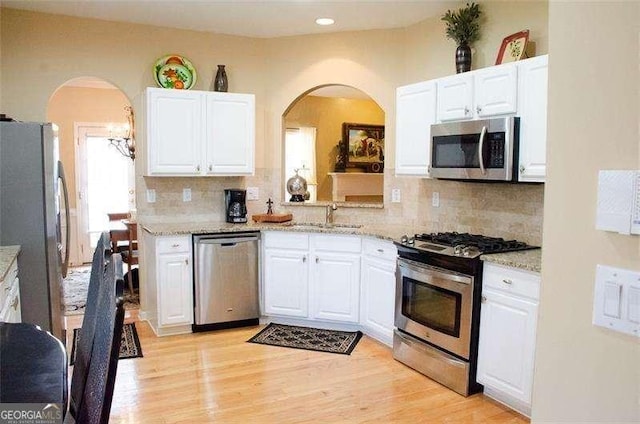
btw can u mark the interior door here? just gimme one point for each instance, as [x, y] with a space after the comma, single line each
[105, 184]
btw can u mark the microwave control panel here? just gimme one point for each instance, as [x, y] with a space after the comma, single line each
[496, 150]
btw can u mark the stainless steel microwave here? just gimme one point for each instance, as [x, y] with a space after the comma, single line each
[475, 150]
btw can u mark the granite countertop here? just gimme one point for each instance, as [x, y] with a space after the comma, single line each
[8, 254]
[386, 232]
[529, 260]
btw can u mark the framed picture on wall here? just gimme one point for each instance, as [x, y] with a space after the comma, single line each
[513, 47]
[364, 145]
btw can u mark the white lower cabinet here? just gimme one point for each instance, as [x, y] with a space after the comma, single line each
[508, 319]
[311, 276]
[168, 284]
[343, 280]
[335, 277]
[378, 289]
[286, 282]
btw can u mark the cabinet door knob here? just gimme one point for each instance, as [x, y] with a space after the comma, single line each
[210, 167]
[483, 299]
[466, 111]
[14, 304]
[478, 109]
[507, 281]
[198, 168]
[186, 261]
[522, 169]
[175, 245]
[304, 259]
[317, 259]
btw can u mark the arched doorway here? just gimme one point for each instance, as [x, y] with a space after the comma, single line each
[88, 111]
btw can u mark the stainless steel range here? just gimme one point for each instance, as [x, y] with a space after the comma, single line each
[438, 291]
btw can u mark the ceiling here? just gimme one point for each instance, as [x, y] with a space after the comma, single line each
[261, 19]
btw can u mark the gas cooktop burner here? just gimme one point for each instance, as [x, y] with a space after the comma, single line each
[463, 244]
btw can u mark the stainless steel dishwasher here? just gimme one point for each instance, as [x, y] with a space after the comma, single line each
[226, 280]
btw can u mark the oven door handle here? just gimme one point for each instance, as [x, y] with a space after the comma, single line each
[420, 268]
[480, 148]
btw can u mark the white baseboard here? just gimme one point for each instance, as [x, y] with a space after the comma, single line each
[507, 400]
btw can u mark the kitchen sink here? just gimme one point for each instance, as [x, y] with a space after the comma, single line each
[317, 225]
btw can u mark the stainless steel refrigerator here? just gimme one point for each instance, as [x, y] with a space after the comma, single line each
[33, 201]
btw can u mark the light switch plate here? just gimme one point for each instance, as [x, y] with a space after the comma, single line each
[186, 194]
[253, 193]
[151, 195]
[616, 300]
[395, 195]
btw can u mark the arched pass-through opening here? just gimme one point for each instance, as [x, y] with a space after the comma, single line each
[333, 135]
[87, 112]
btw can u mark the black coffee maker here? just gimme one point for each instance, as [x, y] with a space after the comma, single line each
[236, 207]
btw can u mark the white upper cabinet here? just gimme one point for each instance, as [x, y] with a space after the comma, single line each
[175, 131]
[495, 90]
[230, 135]
[532, 109]
[478, 94]
[455, 97]
[415, 112]
[199, 133]
[514, 89]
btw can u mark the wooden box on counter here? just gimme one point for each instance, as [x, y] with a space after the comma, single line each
[273, 217]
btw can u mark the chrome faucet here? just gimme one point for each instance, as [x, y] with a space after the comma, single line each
[328, 217]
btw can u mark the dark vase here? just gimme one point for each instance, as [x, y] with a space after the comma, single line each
[220, 82]
[463, 58]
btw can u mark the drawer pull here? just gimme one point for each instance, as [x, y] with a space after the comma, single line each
[7, 288]
[304, 259]
[317, 259]
[380, 250]
[507, 281]
[175, 245]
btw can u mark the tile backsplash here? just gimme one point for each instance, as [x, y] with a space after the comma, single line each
[511, 211]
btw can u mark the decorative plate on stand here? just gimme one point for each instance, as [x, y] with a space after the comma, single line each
[174, 71]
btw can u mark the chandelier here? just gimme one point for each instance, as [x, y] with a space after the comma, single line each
[122, 138]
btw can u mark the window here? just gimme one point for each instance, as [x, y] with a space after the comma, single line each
[300, 148]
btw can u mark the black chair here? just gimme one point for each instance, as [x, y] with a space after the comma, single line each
[84, 345]
[98, 348]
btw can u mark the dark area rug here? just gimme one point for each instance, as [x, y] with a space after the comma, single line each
[332, 341]
[129, 348]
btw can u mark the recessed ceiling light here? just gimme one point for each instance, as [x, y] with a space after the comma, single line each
[325, 21]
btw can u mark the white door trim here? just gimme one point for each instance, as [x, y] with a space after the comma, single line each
[80, 131]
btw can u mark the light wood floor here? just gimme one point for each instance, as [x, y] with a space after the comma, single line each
[218, 377]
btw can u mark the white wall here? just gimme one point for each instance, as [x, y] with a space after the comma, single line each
[586, 373]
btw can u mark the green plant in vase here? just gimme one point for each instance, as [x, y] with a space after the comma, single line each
[463, 27]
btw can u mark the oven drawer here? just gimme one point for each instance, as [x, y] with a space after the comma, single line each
[511, 280]
[434, 363]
